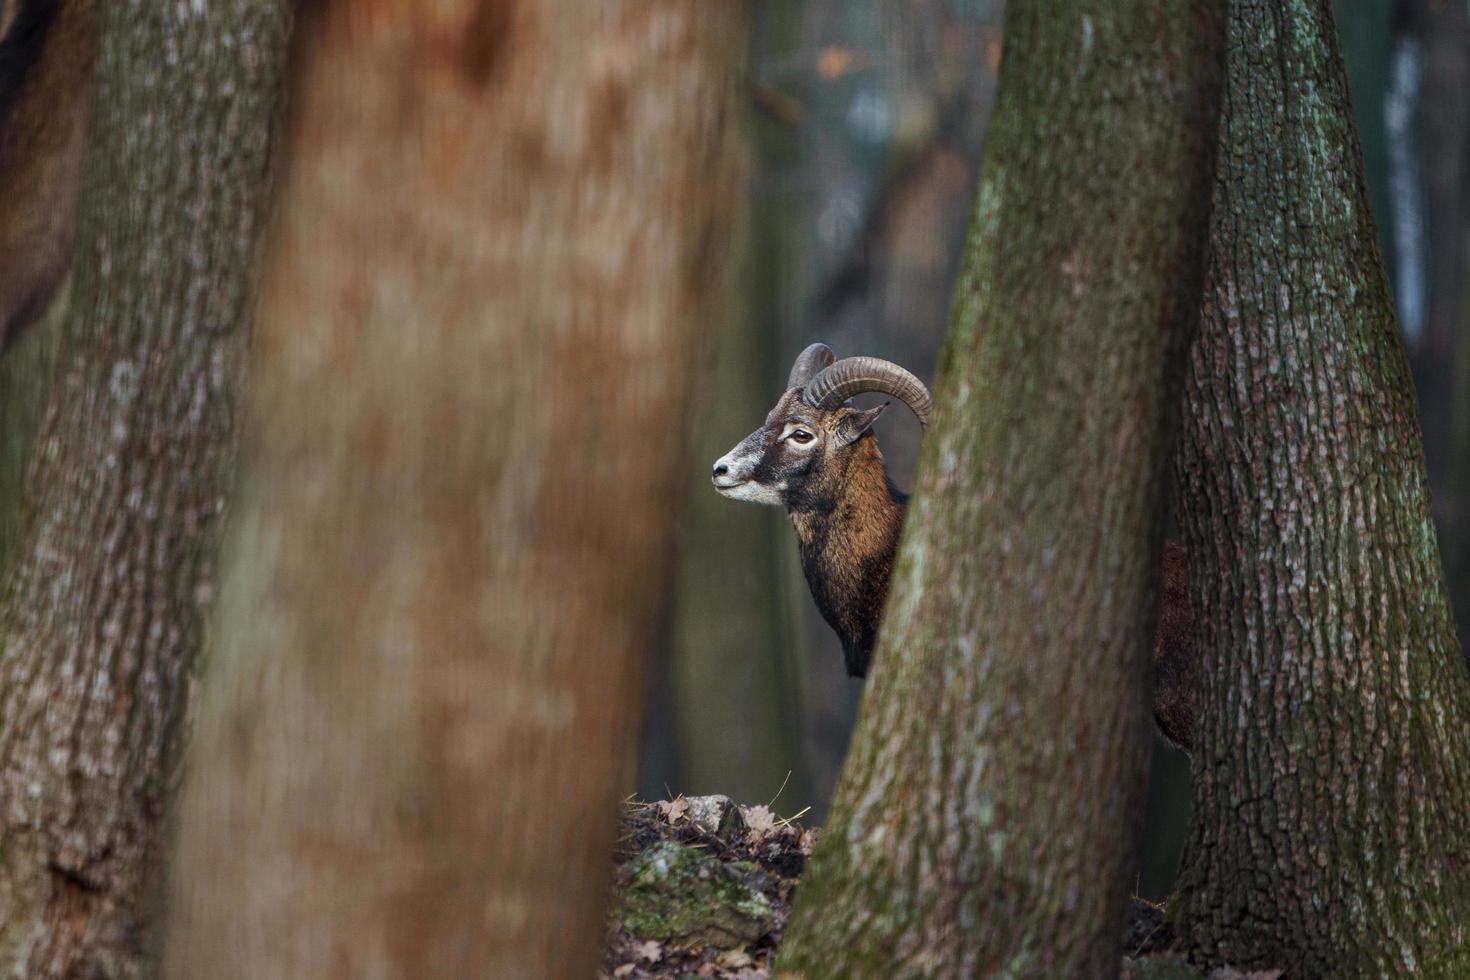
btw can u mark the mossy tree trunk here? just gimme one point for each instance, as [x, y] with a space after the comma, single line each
[987, 816]
[1331, 831]
[109, 575]
[483, 319]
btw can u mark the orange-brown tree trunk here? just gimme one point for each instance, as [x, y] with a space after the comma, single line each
[484, 314]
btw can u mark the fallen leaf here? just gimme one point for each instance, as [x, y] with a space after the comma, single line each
[673, 810]
[652, 950]
[734, 959]
[759, 819]
[624, 970]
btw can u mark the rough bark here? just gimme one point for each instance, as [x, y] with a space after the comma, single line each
[483, 317]
[986, 820]
[110, 576]
[1329, 832]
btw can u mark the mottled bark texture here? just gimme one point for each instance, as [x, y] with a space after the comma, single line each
[108, 581]
[987, 816]
[1331, 830]
[484, 312]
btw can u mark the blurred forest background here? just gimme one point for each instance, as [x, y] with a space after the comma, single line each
[865, 123]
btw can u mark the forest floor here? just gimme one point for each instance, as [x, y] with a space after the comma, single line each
[703, 886]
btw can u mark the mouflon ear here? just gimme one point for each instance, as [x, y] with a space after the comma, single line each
[855, 423]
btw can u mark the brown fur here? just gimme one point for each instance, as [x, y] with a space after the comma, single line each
[847, 526]
[46, 113]
[848, 518]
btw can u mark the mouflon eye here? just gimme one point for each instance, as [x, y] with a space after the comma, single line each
[801, 436]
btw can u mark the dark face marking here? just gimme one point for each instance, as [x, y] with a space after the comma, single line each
[794, 456]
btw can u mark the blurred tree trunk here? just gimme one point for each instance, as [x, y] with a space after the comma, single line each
[1442, 141]
[1442, 137]
[733, 676]
[996, 774]
[484, 311]
[26, 371]
[1368, 39]
[1330, 832]
[110, 573]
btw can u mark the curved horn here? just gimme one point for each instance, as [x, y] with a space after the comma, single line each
[856, 375]
[808, 363]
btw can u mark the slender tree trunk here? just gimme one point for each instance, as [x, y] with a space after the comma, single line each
[1368, 41]
[1441, 362]
[1331, 832]
[109, 578]
[484, 312]
[26, 371]
[986, 820]
[732, 677]
[733, 674]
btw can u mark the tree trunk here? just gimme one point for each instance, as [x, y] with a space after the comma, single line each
[483, 317]
[110, 575]
[734, 677]
[1368, 41]
[26, 371]
[1441, 360]
[1330, 831]
[987, 816]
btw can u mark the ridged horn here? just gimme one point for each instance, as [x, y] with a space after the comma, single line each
[808, 363]
[857, 375]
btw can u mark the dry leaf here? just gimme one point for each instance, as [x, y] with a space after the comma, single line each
[759, 819]
[673, 810]
[734, 959]
[652, 950]
[624, 970]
